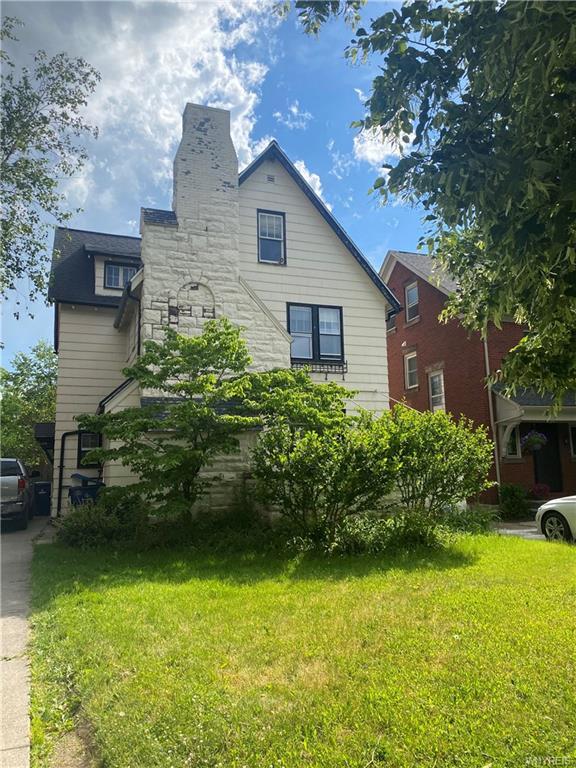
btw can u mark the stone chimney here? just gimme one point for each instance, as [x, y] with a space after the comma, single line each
[205, 170]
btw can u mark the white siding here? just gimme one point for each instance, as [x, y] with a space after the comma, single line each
[319, 270]
[91, 355]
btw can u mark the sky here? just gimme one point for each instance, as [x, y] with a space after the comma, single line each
[236, 54]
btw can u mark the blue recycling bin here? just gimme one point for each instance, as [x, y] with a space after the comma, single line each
[87, 492]
[42, 498]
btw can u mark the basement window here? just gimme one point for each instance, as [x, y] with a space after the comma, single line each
[118, 275]
[271, 237]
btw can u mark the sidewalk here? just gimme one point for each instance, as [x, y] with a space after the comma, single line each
[16, 554]
[525, 530]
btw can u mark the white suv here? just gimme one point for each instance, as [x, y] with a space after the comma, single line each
[557, 519]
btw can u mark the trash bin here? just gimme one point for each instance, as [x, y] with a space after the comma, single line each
[42, 498]
[85, 493]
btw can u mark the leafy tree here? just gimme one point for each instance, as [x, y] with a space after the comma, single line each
[199, 381]
[28, 396]
[41, 121]
[482, 96]
[319, 477]
[440, 461]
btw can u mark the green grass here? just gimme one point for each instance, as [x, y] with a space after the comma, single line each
[462, 657]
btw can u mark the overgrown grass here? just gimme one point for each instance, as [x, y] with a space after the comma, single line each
[459, 657]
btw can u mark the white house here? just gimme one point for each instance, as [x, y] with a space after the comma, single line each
[258, 247]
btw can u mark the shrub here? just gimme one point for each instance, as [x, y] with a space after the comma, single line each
[473, 518]
[319, 478]
[117, 516]
[441, 461]
[513, 502]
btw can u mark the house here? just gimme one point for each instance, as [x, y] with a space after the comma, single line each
[440, 366]
[258, 247]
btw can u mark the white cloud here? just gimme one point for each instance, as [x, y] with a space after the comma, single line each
[295, 118]
[313, 180]
[371, 148]
[363, 98]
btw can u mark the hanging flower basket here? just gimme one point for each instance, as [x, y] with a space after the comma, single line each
[533, 441]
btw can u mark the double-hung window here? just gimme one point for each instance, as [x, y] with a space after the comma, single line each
[118, 275]
[513, 448]
[87, 441]
[271, 237]
[411, 301]
[316, 333]
[436, 390]
[411, 370]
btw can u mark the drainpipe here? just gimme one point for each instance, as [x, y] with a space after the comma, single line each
[61, 467]
[491, 411]
[139, 321]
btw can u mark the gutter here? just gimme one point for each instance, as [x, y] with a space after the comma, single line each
[491, 411]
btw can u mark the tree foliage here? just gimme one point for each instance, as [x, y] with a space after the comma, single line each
[482, 96]
[440, 461]
[28, 396]
[41, 125]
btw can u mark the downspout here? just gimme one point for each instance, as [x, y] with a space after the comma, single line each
[491, 410]
[137, 300]
[61, 467]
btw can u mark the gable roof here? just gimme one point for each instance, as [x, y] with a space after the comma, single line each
[274, 152]
[72, 278]
[422, 266]
[531, 397]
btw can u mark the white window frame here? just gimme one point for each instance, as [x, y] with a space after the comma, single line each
[122, 269]
[518, 453]
[410, 356]
[278, 215]
[442, 407]
[414, 303]
[572, 439]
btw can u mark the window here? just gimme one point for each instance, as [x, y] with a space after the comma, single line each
[436, 388]
[118, 275]
[87, 441]
[572, 431]
[411, 370]
[411, 301]
[271, 237]
[316, 332]
[391, 320]
[513, 450]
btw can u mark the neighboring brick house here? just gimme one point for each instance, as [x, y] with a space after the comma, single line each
[258, 247]
[433, 365]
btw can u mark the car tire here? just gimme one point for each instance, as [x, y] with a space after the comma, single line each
[555, 527]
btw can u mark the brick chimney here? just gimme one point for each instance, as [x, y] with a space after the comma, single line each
[205, 171]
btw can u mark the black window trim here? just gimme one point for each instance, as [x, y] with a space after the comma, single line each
[79, 463]
[316, 357]
[284, 260]
[116, 263]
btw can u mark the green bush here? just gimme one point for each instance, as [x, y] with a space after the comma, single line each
[473, 518]
[440, 461]
[116, 516]
[514, 502]
[317, 479]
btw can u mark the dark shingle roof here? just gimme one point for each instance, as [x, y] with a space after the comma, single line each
[422, 265]
[526, 396]
[72, 277]
[274, 152]
[156, 216]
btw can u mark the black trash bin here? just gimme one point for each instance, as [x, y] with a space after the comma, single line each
[42, 498]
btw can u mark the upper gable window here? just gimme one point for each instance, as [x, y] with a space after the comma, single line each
[271, 237]
[118, 275]
[411, 302]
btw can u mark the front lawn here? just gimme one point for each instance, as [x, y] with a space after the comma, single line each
[464, 657]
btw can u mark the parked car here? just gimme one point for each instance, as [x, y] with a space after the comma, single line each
[557, 518]
[16, 492]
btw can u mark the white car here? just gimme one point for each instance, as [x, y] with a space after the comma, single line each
[557, 519]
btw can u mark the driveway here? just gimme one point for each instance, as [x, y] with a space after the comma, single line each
[17, 549]
[525, 530]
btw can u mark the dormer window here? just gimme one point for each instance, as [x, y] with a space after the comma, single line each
[271, 237]
[118, 275]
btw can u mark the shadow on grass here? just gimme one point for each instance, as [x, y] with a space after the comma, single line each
[58, 569]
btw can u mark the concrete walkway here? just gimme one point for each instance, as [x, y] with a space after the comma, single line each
[525, 530]
[16, 556]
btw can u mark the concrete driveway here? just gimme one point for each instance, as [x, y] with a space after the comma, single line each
[525, 530]
[17, 547]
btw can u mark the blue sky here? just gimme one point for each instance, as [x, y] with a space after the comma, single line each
[277, 82]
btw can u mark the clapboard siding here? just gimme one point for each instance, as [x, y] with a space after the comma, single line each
[319, 270]
[91, 355]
